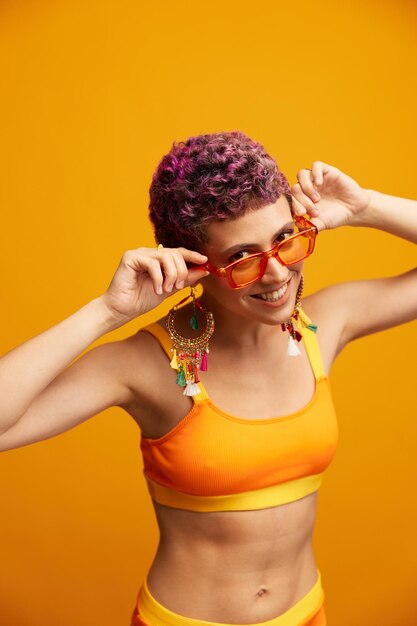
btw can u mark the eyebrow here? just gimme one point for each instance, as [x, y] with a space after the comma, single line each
[243, 246]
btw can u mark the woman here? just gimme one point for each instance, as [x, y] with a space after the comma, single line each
[236, 439]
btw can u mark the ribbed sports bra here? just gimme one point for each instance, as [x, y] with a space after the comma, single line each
[214, 461]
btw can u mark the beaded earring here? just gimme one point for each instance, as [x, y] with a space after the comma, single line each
[301, 319]
[189, 355]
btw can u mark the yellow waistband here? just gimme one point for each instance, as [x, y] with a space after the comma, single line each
[247, 500]
[299, 613]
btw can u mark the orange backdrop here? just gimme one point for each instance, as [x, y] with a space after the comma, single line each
[94, 93]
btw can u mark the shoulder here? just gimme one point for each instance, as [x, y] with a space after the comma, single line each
[358, 308]
[323, 308]
[145, 357]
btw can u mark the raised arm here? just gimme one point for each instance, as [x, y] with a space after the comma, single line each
[42, 394]
[361, 306]
[28, 369]
[391, 214]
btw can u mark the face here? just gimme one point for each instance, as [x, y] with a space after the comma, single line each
[255, 231]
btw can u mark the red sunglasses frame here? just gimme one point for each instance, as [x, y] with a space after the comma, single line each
[225, 271]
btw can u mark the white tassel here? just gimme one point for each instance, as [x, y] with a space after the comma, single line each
[191, 389]
[293, 349]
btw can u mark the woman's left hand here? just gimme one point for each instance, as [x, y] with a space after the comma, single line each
[340, 199]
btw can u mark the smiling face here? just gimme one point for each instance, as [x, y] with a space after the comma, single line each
[255, 231]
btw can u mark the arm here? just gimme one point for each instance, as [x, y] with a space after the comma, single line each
[374, 305]
[361, 307]
[36, 372]
[40, 396]
[394, 215]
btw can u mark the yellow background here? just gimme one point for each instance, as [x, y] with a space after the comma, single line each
[94, 93]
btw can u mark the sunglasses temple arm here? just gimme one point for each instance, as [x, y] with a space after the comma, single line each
[206, 266]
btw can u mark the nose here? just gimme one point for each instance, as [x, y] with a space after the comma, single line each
[275, 272]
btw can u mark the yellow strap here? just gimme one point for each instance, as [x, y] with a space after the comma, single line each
[247, 500]
[311, 344]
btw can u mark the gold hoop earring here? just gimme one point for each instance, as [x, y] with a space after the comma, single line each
[189, 355]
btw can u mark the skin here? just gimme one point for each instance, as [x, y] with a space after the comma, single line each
[244, 567]
[226, 566]
[236, 566]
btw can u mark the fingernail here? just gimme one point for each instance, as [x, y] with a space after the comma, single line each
[180, 284]
[315, 196]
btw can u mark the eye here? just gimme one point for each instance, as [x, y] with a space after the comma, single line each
[239, 255]
[285, 235]
[242, 253]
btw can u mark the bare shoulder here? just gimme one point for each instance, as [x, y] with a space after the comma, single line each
[323, 310]
[154, 401]
[357, 308]
[147, 372]
[144, 356]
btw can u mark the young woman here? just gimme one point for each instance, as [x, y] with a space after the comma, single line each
[231, 389]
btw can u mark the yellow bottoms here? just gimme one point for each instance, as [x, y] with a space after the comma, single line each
[308, 611]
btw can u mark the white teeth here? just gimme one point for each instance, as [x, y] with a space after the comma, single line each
[272, 296]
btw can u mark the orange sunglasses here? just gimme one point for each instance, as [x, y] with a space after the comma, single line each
[251, 268]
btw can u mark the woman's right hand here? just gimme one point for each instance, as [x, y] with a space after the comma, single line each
[146, 276]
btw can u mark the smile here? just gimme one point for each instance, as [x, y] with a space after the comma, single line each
[272, 296]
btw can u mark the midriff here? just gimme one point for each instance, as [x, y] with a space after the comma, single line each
[239, 567]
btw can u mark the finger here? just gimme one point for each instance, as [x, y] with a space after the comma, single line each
[194, 275]
[305, 180]
[181, 256]
[192, 256]
[169, 269]
[318, 222]
[182, 270]
[153, 268]
[303, 199]
[317, 172]
[297, 207]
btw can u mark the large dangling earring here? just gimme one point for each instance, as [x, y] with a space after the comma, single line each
[300, 318]
[189, 355]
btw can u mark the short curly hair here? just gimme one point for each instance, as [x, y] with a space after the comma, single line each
[207, 178]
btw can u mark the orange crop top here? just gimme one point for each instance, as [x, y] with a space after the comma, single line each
[214, 461]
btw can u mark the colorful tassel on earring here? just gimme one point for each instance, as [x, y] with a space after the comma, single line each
[204, 363]
[305, 321]
[181, 377]
[194, 321]
[293, 349]
[191, 389]
[194, 318]
[294, 336]
[301, 319]
[190, 354]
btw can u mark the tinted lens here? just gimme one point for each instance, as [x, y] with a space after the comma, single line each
[245, 271]
[295, 249]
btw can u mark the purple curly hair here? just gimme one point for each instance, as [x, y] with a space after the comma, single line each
[210, 177]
